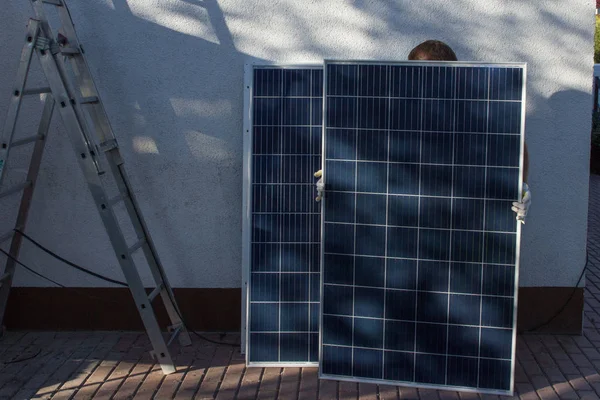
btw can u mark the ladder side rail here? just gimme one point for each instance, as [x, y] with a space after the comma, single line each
[26, 199]
[85, 158]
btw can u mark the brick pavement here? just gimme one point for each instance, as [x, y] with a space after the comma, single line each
[116, 365]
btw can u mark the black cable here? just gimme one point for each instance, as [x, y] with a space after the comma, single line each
[71, 264]
[566, 303]
[30, 270]
[87, 271]
[25, 358]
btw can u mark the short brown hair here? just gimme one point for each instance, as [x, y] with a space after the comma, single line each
[432, 50]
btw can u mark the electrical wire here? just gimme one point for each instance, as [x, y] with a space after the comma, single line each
[31, 270]
[24, 358]
[556, 314]
[104, 278]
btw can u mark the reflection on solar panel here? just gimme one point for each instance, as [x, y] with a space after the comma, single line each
[422, 162]
[283, 217]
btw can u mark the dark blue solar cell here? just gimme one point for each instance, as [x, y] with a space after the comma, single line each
[267, 111]
[496, 343]
[463, 340]
[503, 150]
[506, 83]
[313, 347]
[295, 140]
[401, 274]
[265, 287]
[340, 269]
[467, 246]
[296, 82]
[432, 307]
[338, 300]
[438, 115]
[439, 82]
[341, 112]
[430, 369]
[400, 335]
[294, 287]
[299, 227]
[405, 114]
[294, 347]
[373, 80]
[371, 177]
[471, 116]
[467, 214]
[405, 146]
[505, 117]
[368, 302]
[370, 240]
[340, 207]
[340, 176]
[500, 248]
[265, 228]
[296, 169]
[316, 111]
[469, 181]
[267, 82]
[337, 330]
[465, 278]
[336, 360]
[264, 347]
[340, 238]
[435, 212]
[315, 287]
[433, 276]
[294, 317]
[372, 113]
[402, 242]
[371, 209]
[472, 83]
[464, 309]
[368, 332]
[372, 145]
[400, 305]
[498, 280]
[368, 363]
[265, 257]
[502, 183]
[316, 82]
[436, 180]
[436, 148]
[499, 216]
[470, 149]
[314, 317]
[431, 338]
[434, 244]
[497, 311]
[264, 317]
[405, 81]
[462, 371]
[345, 144]
[403, 210]
[398, 366]
[265, 169]
[370, 271]
[342, 80]
[494, 374]
[267, 140]
[403, 179]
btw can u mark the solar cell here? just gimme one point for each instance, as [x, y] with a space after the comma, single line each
[420, 246]
[281, 218]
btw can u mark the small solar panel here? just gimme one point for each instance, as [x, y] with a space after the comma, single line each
[420, 256]
[282, 217]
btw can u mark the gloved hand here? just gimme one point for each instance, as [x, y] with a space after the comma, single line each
[522, 207]
[320, 185]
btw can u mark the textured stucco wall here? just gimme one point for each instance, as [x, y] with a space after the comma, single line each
[171, 71]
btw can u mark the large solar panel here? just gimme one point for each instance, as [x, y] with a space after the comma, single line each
[420, 257]
[282, 218]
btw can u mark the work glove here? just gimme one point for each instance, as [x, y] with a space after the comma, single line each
[320, 185]
[522, 207]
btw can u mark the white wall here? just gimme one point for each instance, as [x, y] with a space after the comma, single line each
[170, 73]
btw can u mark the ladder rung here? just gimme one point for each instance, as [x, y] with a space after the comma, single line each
[69, 50]
[115, 200]
[6, 236]
[53, 2]
[155, 292]
[175, 333]
[136, 246]
[89, 100]
[108, 145]
[40, 90]
[30, 139]
[14, 189]
[4, 277]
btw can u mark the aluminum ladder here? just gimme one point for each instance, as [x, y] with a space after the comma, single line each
[73, 93]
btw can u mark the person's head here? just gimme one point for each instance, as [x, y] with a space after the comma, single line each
[432, 50]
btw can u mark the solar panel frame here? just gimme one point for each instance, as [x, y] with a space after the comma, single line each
[248, 125]
[422, 63]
